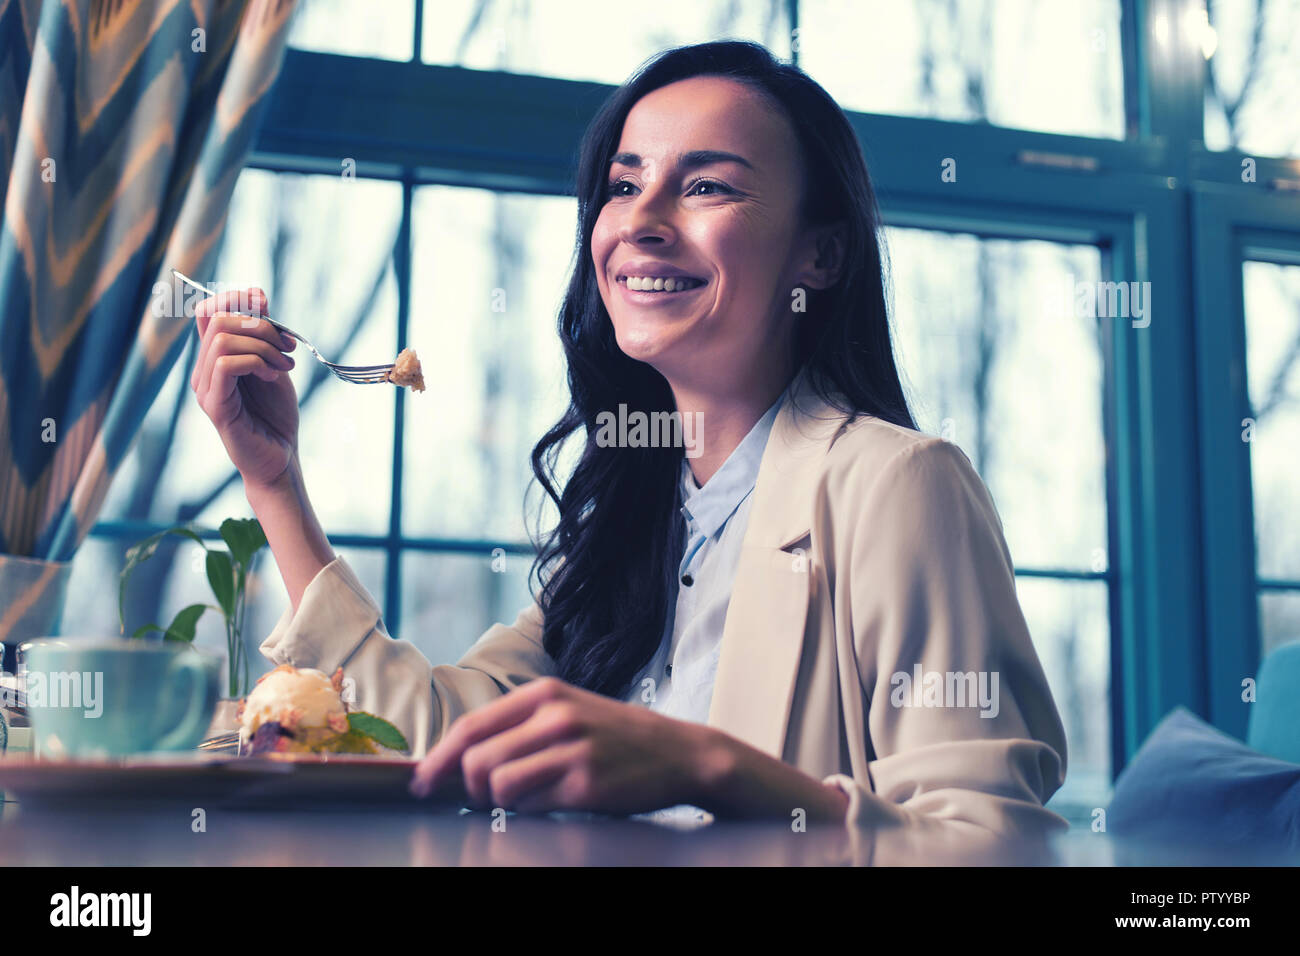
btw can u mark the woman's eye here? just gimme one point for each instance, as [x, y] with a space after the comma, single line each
[612, 188]
[705, 182]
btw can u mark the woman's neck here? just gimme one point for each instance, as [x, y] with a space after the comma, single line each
[721, 420]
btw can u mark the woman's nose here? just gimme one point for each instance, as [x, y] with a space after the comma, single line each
[648, 216]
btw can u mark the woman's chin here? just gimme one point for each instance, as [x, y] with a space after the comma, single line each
[642, 345]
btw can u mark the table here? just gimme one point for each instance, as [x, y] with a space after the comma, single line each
[166, 836]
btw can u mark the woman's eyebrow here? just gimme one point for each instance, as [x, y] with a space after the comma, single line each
[691, 160]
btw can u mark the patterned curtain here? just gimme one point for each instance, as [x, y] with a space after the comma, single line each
[123, 126]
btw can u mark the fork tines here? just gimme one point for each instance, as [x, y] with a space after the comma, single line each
[364, 375]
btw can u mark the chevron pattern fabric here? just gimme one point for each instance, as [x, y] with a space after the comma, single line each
[123, 127]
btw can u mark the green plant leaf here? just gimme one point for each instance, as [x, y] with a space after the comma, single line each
[221, 575]
[245, 538]
[144, 629]
[142, 551]
[183, 624]
[353, 742]
[378, 730]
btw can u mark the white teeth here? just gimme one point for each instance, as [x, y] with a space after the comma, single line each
[649, 284]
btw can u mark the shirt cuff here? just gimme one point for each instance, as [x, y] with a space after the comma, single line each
[336, 614]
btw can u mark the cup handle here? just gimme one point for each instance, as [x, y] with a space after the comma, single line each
[188, 669]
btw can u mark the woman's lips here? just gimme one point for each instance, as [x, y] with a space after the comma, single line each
[651, 298]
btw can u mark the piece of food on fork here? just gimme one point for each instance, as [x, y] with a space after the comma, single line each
[406, 371]
[301, 710]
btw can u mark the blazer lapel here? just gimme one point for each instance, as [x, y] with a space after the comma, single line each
[762, 639]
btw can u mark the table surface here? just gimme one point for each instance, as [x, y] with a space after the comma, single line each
[169, 835]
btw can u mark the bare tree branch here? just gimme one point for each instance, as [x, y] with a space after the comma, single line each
[480, 11]
[1232, 107]
[1276, 394]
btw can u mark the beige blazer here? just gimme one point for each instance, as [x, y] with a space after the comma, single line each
[873, 600]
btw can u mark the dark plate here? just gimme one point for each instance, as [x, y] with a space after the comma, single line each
[279, 781]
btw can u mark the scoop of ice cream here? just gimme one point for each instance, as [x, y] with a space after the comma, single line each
[299, 699]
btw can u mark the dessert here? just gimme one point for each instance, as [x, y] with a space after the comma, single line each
[406, 371]
[301, 710]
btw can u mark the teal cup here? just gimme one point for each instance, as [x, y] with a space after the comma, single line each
[95, 697]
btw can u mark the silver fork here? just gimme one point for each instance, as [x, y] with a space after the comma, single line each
[356, 374]
[221, 742]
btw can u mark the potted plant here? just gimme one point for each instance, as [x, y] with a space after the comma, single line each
[228, 573]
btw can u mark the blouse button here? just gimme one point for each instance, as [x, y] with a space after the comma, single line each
[687, 580]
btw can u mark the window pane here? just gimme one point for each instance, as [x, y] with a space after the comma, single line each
[1068, 621]
[1252, 75]
[1025, 64]
[378, 28]
[589, 39]
[175, 578]
[321, 247]
[1279, 619]
[488, 275]
[90, 609]
[1002, 363]
[1272, 303]
[449, 600]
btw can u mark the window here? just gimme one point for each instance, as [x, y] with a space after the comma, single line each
[488, 274]
[1272, 307]
[1247, 247]
[1077, 134]
[1252, 51]
[553, 37]
[378, 28]
[1019, 63]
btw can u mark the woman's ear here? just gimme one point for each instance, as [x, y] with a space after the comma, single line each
[825, 257]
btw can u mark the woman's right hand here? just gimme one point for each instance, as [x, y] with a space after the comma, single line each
[242, 383]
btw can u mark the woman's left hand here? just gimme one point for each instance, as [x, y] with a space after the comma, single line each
[551, 746]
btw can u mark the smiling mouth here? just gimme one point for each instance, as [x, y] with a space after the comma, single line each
[660, 286]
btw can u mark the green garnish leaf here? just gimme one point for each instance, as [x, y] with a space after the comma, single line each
[378, 730]
[353, 742]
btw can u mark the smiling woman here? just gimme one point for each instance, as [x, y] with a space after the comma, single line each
[719, 627]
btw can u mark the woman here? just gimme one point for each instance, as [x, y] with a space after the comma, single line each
[809, 610]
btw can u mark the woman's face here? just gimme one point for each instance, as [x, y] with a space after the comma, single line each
[727, 222]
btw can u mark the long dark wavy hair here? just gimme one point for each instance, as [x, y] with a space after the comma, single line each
[607, 569]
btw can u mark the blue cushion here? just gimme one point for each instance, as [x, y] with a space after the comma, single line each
[1190, 781]
[1275, 714]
